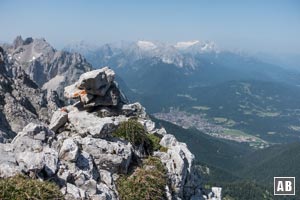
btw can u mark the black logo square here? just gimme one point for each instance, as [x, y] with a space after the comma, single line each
[284, 185]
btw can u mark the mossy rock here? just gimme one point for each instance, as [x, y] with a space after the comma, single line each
[147, 182]
[20, 188]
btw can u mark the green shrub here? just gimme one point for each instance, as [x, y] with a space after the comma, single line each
[155, 143]
[135, 133]
[147, 182]
[132, 131]
[163, 149]
[20, 188]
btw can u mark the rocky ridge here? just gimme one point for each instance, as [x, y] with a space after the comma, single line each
[79, 152]
[49, 68]
[21, 101]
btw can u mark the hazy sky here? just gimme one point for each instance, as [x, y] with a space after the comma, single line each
[254, 25]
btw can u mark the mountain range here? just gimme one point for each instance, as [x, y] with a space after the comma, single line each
[126, 53]
[200, 78]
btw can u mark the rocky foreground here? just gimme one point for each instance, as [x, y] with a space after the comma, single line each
[79, 151]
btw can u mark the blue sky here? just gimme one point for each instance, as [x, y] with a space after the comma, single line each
[257, 25]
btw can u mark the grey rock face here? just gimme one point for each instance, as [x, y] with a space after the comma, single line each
[96, 82]
[112, 156]
[135, 109]
[21, 101]
[59, 119]
[29, 152]
[48, 68]
[8, 166]
[179, 163]
[69, 150]
[93, 126]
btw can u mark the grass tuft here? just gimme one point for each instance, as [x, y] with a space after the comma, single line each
[147, 182]
[20, 187]
[136, 134]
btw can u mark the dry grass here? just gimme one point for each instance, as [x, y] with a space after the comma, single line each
[147, 182]
[23, 188]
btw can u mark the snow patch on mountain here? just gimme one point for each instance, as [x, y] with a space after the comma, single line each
[184, 45]
[146, 45]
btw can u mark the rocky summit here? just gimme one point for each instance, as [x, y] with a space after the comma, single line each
[80, 151]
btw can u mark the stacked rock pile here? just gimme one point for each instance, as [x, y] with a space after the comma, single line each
[95, 88]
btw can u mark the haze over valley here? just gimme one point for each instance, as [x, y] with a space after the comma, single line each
[130, 100]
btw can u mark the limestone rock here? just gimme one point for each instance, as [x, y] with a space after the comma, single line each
[72, 92]
[112, 156]
[90, 187]
[96, 82]
[74, 193]
[29, 152]
[89, 124]
[95, 88]
[36, 133]
[112, 98]
[215, 194]
[69, 150]
[135, 109]
[106, 177]
[106, 192]
[8, 166]
[179, 163]
[85, 163]
[59, 119]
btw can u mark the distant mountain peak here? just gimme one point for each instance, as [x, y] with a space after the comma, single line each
[196, 46]
[146, 45]
[18, 41]
[186, 44]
